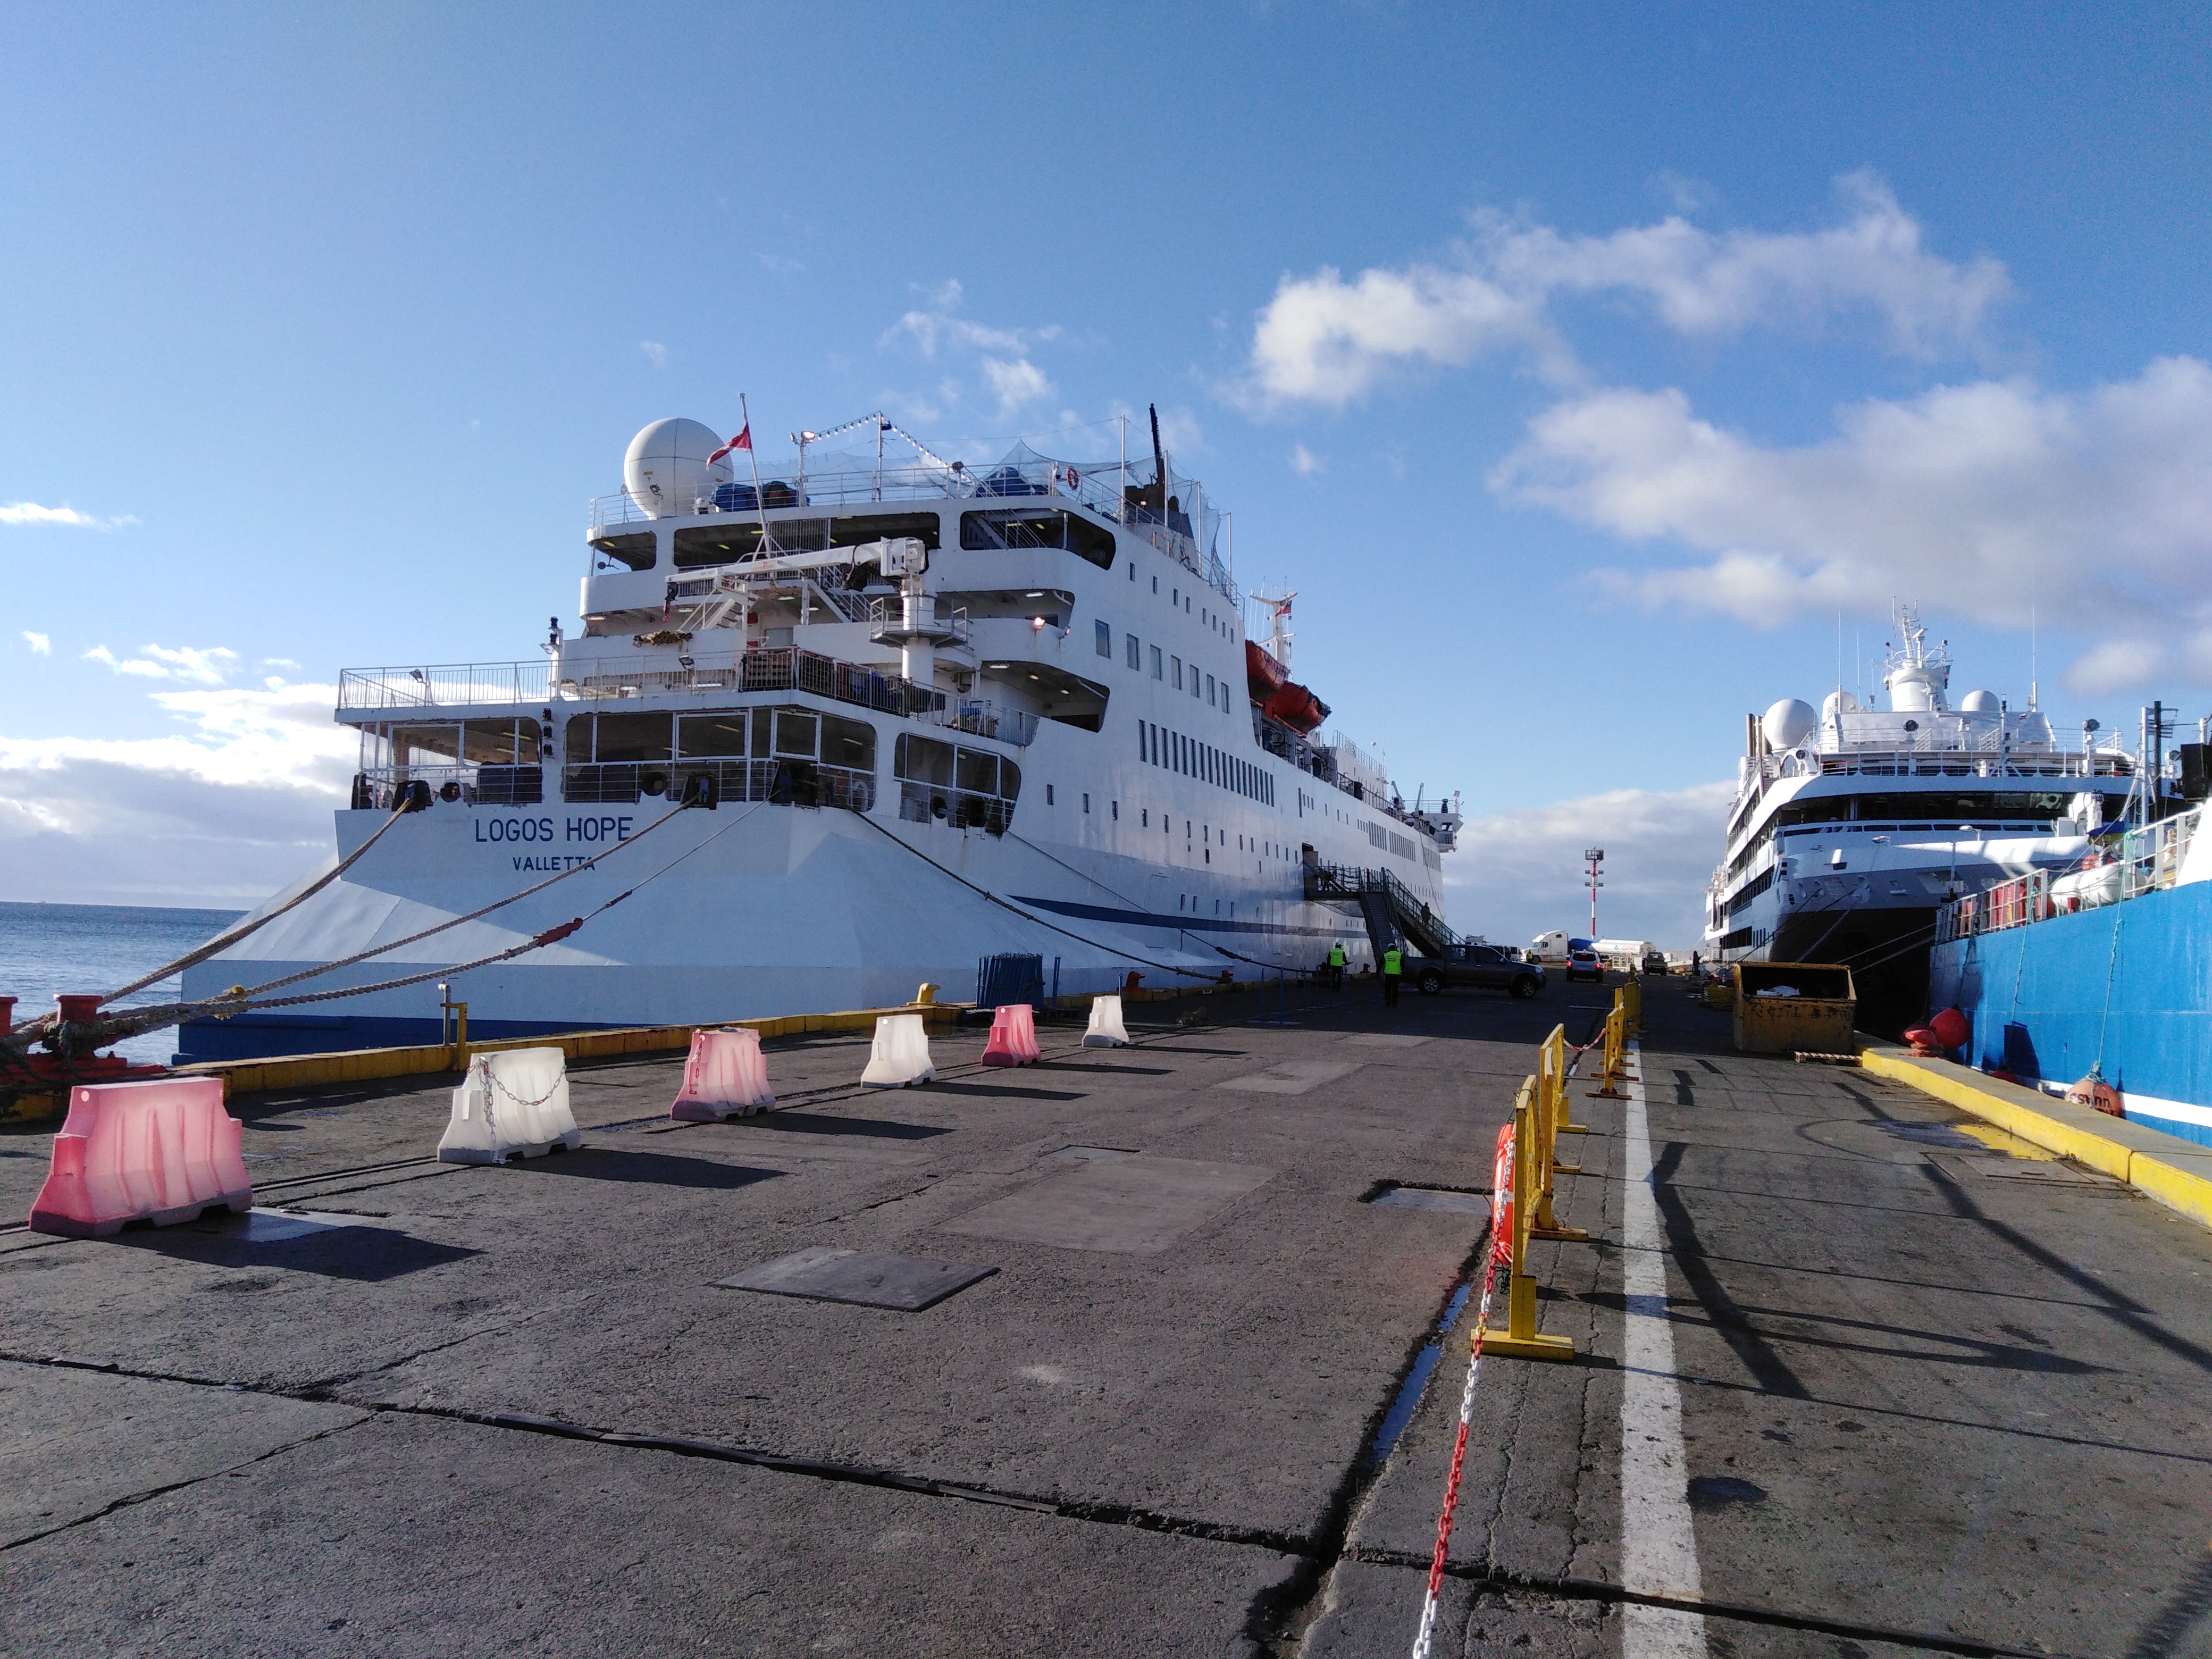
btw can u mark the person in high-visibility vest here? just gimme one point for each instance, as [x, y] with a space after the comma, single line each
[1393, 965]
[1336, 966]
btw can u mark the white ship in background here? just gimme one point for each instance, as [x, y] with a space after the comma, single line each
[1850, 827]
[922, 716]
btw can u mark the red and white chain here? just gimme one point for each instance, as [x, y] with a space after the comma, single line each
[1501, 1250]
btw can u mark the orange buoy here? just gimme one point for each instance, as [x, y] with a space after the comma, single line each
[2093, 1091]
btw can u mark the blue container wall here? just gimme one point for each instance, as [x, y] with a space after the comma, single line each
[2133, 981]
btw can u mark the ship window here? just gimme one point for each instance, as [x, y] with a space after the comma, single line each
[426, 745]
[1159, 671]
[924, 760]
[1105, 639]
[710, 737]
[977, 771]
[1134, 651]
[728, 538]
[849, 744]
[1209, 691]
[796, 732]
[1030, 527]
[500, 743]
[1177, 661]
[631, 736]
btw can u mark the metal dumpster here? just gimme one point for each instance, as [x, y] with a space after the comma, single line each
[1815, 1019]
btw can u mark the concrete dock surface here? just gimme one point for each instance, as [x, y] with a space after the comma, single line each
[1921, 1393]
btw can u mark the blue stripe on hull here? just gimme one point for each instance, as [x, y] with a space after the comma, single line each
[1152, 919]
[2132, 981]
[270, 1036]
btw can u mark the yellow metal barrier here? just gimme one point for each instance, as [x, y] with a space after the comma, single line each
[1551, 1069]
[1631, 998]
[1521, 1340]
[1614, 1070]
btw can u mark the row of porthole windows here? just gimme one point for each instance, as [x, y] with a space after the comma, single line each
[1166, 667]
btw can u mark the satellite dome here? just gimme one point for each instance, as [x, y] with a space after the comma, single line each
[1788, 723]
[667, 468]
[1978, 703]
[1838, 702]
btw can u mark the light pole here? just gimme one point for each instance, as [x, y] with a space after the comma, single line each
[1594, 856]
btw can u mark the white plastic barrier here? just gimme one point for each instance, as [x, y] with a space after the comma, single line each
[726, 1076]
[900, 1054]
[1106, 1031]
[515, 1102]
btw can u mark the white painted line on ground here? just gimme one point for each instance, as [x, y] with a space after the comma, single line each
[1658, 1548]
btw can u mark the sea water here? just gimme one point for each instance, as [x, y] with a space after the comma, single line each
[47, 949]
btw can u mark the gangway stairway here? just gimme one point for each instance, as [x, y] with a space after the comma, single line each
[1388, 906]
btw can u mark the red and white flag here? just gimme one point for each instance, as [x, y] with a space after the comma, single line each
[743, 440]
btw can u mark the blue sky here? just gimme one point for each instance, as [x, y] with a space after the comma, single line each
[1578, 365]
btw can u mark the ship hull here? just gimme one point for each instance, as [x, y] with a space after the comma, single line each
[2126, 988]
[744, 912]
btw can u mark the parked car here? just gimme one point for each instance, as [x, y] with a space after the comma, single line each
[1484, 966]
[1585, 964]
[1656, 963]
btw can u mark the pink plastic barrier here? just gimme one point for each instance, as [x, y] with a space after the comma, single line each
[159, 1151]
[1013, 1035]
[726, 1076]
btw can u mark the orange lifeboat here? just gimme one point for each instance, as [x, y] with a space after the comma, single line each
[1280, 697]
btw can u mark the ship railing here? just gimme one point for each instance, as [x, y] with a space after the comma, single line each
[1098, 489]
[785, 782]
[2012, 903]
[929, 803]
[2150, 860]
[381, 788]
[1327, 881]
[1960, 763]
[772, 668]
[443, 685]
[886, 619]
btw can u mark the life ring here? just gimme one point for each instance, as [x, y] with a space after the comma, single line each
[862, 796]
[1074, 479]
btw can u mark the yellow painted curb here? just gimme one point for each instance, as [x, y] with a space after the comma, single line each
[2178, 1173]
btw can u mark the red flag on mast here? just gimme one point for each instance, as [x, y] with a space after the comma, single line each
[743, 440]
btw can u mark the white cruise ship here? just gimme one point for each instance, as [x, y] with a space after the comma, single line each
[1852, 826]
[827, 732]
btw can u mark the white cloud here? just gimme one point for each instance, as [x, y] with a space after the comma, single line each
[1018, 384]
[278, 662]
[187, 663]
[42, 645]
[655, 352]
[2118, 665]
[29, 512]
[1518, 874]
[938, 324]
[1304, 462]
[1322, 339]
[226, 809]
[780, 264]
[1981, 500]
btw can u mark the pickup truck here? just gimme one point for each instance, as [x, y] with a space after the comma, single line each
[1485, 965]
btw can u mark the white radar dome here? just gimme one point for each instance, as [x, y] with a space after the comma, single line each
[1980, 703]
[1788, 723]
[666, 470]
[1839, 703]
